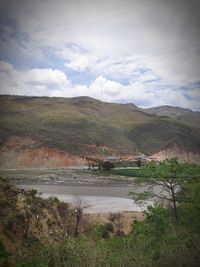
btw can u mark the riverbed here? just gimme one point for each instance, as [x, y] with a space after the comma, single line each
[103, 194]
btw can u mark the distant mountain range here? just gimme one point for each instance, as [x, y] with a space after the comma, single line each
[185, 116]
[84, 126]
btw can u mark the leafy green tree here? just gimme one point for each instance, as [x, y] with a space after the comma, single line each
[107, 165]
[169, 176]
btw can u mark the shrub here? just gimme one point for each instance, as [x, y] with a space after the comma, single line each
[50, 222]
[101, 231]
[3, 255]
[12, 219]
[53, 200]
[109, 227]
[4, 202]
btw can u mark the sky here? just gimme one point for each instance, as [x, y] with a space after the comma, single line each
[144, 52]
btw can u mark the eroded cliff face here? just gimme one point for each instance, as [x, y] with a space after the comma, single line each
[18, 152]
[179, 152]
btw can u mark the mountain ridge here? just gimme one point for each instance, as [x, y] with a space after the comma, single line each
[85, 126]
[183, 115]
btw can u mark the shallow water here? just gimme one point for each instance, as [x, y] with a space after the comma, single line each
[82, 190]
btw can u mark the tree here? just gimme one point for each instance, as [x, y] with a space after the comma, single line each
[107, 165]
[139, 163]
[99, 164]
[116, 218]
[79, 207]
[169, 175]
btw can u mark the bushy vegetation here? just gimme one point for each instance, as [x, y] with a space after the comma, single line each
[4, 255]
[103, 231]
[157, 241]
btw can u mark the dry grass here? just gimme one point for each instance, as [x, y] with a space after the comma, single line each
[128, 217]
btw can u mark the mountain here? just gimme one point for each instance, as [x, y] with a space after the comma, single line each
[185, 116]
[43, 131]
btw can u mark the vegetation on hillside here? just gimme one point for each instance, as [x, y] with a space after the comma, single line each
[155, 135]
[83, 125]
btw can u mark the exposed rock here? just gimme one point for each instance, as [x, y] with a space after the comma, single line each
[27, 153]
[176, 151]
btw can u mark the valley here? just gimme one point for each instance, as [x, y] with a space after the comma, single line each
[38, 132]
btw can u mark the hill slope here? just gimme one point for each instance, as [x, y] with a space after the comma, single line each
[71, 128]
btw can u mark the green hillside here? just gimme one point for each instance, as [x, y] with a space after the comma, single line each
[78, 124]
[162, 133]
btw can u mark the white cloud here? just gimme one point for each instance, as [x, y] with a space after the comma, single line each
[53, 82]
[105, 89]
[47, 77]
[41, 82]
[75, 58]
[78, 62]
[117, 35]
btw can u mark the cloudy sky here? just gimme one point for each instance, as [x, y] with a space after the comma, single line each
[142, 51]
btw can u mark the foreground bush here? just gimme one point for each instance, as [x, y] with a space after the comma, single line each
[157, 241]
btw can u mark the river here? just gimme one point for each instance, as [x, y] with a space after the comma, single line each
[102, 193]
[99, 199]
